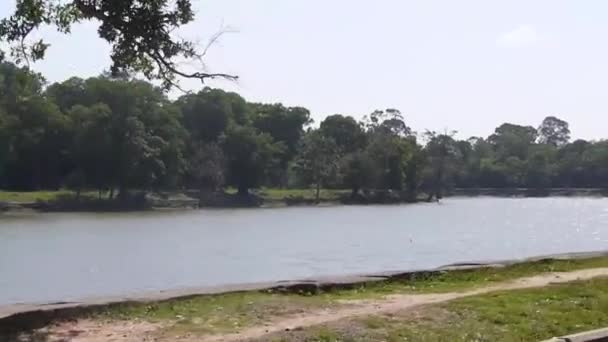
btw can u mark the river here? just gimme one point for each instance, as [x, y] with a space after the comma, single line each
[58, 257]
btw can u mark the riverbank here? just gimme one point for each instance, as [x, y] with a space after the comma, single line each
[525, 192]
[362, 308]
[66, 201]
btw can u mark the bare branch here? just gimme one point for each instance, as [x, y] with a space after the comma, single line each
[158, 58]
[216, 37]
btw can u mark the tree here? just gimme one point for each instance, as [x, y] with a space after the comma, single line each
[286, 126]
[345, 131]
[441, 152]
[414, 170]
[389, 121]
[357, 170]
[541, 166]
[139, 31]
[512, 140]
[36, 132]
[143, 131]
[389, 144]
[249, 154]
[595, 159]
[17, 85]
[68, 94]
[571, 168]
[5, 138]
[91, 149]
[207, 114]
[318, 159]
[208, 168]
[553, 131]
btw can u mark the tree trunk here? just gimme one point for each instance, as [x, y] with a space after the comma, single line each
[439, 184]
[318, 193]
[355, 191]
[243, 190]
[111, 195]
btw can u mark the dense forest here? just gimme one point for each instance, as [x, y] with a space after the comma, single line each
[118, 134]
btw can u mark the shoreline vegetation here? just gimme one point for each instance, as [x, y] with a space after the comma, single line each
[67, 201]
[499, 292]
[120, 143]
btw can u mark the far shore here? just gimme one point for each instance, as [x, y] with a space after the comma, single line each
[65, 201]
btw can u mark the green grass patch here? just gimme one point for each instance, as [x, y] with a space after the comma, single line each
[215, 314]
[234, 311]
[33, 196]
[520, 315]
[465, 279]
[325, 195]
[43, 196]
[267, 194]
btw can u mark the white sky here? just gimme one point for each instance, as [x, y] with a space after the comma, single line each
[468, 65]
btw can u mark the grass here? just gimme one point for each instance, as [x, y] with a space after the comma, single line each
[214, 314]
[44, 196]
[268, 194]
[521, 315]
[33, 196]
[305, 194]
[233, 311]
[465, 279]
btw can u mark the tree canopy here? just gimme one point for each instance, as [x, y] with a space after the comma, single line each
[140, 32]
[121, 133]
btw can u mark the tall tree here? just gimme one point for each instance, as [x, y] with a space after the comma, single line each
[318, 159]
[357, 171]
[208, 168]
[513, 140]
[596, 162]
[553, 131]
[68, 94]
[541, 166]
[91, 149]
[571, 170]
[345, 131]
[286, 126]
[249, 154]
[37, 132]
[389, 144]
[205, 115]
[441, 151]
[143, 130]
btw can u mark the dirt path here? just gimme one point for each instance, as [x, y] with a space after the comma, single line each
[140, 331]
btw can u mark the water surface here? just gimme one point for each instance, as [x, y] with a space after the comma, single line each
[55, 257]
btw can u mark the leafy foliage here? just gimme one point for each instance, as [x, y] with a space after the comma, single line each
[139, 31]
[118, 133]
[318, 159]
[554, 131]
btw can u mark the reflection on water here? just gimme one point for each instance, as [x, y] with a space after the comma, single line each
[69, 256]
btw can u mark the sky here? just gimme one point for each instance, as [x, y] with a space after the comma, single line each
[466, 65]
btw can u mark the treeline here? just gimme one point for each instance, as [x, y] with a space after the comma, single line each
[114, 135]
